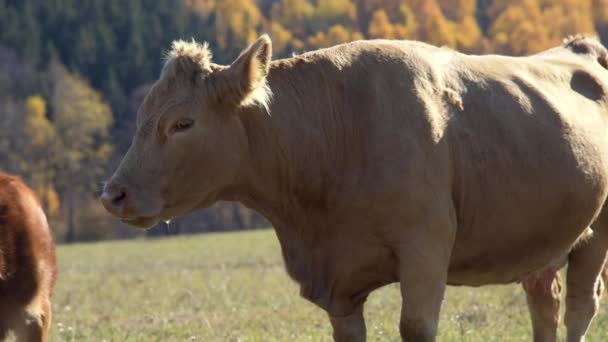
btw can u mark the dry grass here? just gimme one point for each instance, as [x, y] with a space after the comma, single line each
[232, 287]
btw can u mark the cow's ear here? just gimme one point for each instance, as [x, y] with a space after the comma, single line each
[244, 81]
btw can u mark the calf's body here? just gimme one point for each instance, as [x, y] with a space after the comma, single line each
[27, 263]
[384, 161]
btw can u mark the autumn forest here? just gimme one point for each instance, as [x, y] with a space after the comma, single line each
[73, 72]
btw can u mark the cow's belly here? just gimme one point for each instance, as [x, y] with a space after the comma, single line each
[505, 251]
[483, 266]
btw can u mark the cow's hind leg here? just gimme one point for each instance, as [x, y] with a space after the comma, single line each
[543, 292]
[585, 265]
[349, 328]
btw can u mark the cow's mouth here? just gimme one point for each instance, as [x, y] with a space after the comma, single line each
[167, 213]
[141, 222]
[147, 222]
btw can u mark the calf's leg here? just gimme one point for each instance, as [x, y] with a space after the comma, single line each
[46, 318]
[543, 292]
[29, 328]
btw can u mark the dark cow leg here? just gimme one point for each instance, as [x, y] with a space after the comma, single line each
[585, 264]
[349, 328]
[543, 292]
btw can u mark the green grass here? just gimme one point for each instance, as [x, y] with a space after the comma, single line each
[232, 287]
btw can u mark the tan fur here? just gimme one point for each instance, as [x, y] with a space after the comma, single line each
[391, 161]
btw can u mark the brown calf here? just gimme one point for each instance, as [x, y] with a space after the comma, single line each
[27, 263]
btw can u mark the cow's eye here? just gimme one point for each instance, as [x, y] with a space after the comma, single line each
[182, 125]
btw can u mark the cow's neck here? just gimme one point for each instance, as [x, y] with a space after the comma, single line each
[300, 154]
[294, 174]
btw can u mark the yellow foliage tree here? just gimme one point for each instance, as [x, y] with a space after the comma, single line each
[520, 29]
[566, 17]
[236, 23]
[467, 34]
[529, 26]
[281, 38]
[457, 10]
[316, 41]
[37, 127]
[337, 34]
[600, 16]
[294, 15]
[41, 150]
[433, 27]
[82, 120]
[392, 8]
[202, 7]
[330, 13]
[380, 26]
[509, 26]
[400, 25]
[600, 11]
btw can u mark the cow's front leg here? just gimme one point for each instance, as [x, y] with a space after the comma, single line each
[349, 328]
[424, 266]
[422, 297]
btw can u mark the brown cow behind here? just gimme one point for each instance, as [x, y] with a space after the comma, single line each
[27, 263]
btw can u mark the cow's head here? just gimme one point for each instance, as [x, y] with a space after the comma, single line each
[189, 142]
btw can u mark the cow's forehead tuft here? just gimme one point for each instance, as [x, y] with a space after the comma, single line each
[198, 54]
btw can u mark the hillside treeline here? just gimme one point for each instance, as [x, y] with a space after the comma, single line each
[73, 72]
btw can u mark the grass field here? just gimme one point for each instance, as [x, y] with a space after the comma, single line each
[232, 287]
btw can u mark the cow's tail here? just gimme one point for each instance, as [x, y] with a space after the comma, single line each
[603, 59]
[603, 284]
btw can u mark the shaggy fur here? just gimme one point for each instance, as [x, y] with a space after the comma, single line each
[27, 263]
[193, 60]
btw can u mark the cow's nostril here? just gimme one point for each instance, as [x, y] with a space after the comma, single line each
[114, 198]
[119, 199]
